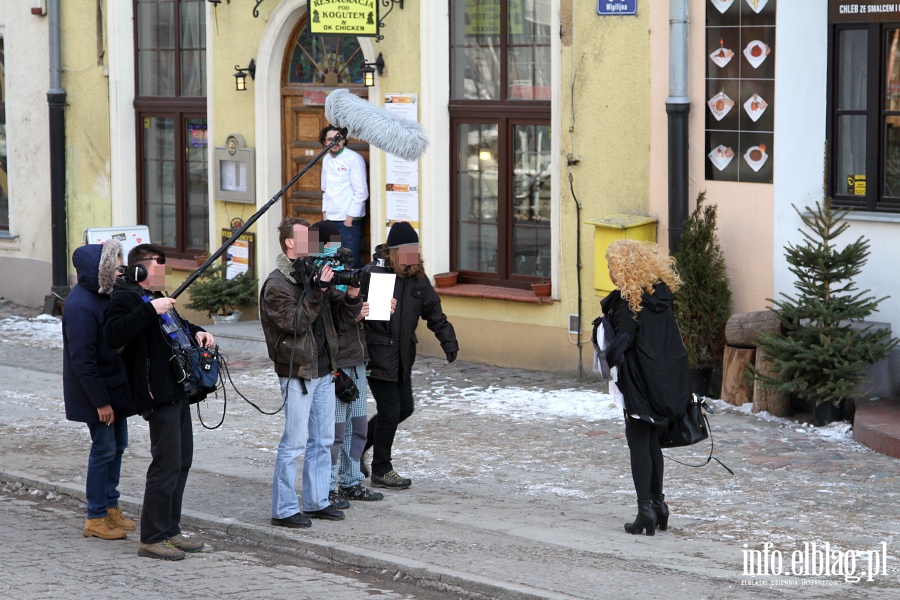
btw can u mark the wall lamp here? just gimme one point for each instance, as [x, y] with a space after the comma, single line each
[240, 77]
[368, 70]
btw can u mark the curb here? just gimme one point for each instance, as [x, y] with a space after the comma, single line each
[440, 577]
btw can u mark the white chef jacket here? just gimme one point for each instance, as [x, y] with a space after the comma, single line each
[344, 185]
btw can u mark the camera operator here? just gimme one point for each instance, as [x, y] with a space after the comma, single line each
[299, 309]
[135, 318]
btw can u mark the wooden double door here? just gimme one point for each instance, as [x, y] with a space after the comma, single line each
[302, 121]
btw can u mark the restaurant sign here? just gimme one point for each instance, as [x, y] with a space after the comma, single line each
[841, 11]
[343, 17]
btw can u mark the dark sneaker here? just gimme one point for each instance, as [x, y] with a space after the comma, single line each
[391, 480]
[185, 543]
[329, 513]
[163, 550]
[337, 499]
[358, 492]
[293, 521]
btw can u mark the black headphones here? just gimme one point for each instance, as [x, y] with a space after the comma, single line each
[136, 273]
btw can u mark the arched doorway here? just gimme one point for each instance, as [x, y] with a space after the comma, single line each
[313, 66]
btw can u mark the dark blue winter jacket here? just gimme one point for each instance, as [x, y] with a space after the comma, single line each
[93, 373]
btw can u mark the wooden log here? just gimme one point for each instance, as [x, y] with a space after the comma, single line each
[769, 400]
[737, 385]
[743, 329]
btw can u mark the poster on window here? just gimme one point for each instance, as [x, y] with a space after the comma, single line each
[238, 256]
[740, 90]
[402, 176]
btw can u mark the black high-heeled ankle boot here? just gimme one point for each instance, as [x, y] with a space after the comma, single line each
[645, 519]
[662, 511]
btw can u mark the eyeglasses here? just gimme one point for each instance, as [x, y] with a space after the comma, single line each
[160, 260]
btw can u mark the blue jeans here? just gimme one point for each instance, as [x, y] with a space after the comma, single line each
[309, 424]
[351, 237]
[104, 466]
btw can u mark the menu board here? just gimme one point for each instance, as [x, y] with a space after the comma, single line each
[740, 90]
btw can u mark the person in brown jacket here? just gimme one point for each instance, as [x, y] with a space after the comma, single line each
[299, 309]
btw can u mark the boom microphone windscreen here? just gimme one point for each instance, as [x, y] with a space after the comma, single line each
[373, 124]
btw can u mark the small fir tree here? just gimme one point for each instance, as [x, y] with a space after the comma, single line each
[213, 294]
[822, 352]
[703, 302]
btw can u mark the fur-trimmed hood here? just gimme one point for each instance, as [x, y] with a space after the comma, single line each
[109, 260]
[96, 265]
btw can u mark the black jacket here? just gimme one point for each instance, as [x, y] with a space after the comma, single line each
[93, 374]
[653, 368]
[392, 344]
[133, 325]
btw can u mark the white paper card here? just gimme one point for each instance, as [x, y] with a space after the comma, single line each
[381, 290]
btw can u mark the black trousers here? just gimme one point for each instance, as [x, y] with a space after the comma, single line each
[646, 457]
[172, 450]
[394, 401]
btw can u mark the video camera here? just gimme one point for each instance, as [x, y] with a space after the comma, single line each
[311, 267]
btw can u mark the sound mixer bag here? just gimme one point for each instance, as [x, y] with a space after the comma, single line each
[344, 388]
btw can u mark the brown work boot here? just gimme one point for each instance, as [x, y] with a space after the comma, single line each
[163, 550]
[119, 520]
[103, 529]
[185, 543]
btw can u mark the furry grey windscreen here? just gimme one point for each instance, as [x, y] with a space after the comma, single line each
[373, 124]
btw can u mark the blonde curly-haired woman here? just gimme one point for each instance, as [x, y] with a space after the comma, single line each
[651, 363]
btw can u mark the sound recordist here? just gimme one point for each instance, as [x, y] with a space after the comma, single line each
[144, 324]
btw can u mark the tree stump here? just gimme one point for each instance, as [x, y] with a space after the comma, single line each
[774, 402]
[743, 329]
[737, 385]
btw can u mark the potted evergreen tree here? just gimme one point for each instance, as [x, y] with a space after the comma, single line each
[219, 297]
[703, 302]
[822, 354]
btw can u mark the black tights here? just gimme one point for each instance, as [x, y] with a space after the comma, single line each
[646, 458]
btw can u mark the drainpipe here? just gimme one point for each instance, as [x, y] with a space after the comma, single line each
[678, 108]
[56, 99]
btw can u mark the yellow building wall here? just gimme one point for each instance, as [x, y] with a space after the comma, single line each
[605, 117]
[84, 65]
[604, 112]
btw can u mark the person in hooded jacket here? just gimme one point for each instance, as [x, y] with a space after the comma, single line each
[95, 387]
[392, 346]
[135, 317]
[651, 363]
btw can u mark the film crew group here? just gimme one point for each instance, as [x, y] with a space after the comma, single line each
[300, 309]
[95, 387]
[143, 323]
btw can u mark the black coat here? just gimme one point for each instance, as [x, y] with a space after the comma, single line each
[392, 344]
[134, 326]
[93, 373]
[652, 364]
